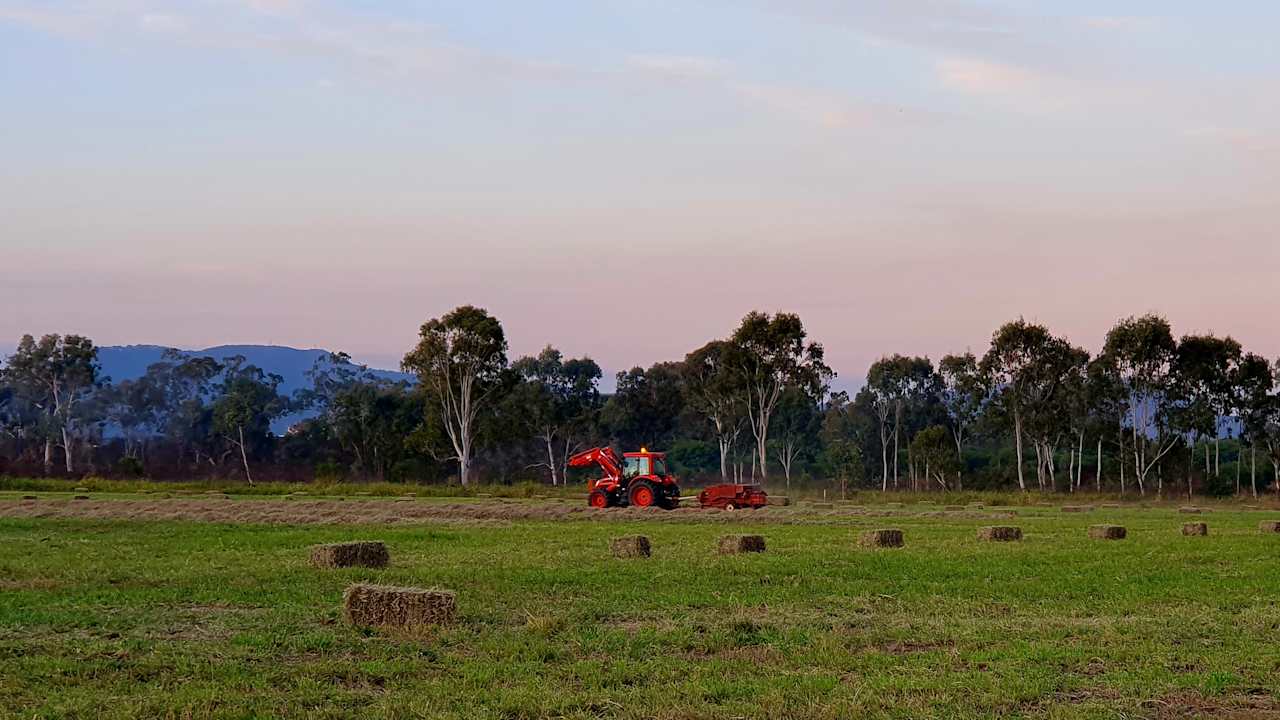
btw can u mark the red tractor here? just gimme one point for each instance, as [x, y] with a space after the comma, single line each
[641, 479]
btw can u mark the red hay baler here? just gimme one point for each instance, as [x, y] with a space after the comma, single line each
[731, 496]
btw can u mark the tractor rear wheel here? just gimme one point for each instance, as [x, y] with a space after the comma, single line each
[597, 499]
[642, 494]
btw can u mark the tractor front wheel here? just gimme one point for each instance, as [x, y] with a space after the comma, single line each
[597, 499]
[642, 494]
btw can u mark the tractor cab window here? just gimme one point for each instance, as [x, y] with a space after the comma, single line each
[634, 466]
[659, 467]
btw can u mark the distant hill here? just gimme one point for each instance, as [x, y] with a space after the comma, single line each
[128, 362]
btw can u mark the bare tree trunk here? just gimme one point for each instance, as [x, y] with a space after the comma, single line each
[1080, 464]
[1098, 475]
[551, 458]
[48, 456]
[1017, 434]
[68, 451]
[897, 424]
[1071, 469]
[244, 457]
[1253, 470]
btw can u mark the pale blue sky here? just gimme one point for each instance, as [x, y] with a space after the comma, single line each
[627, 178]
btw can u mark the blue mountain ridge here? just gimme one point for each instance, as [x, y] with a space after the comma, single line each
[129, 362]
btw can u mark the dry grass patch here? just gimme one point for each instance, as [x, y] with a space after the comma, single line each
[884, 537]
[1190, 510]
[630, 546]
[370, 554]
[387, 606]
[80, 497]
[735, 544]
[1107, 532]
[1077, 508]
[1195, 528]
[1269, 526]
[1000, 533]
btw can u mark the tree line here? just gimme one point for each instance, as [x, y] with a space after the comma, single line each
[1148, 412]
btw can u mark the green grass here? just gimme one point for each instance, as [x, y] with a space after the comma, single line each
[131, 619]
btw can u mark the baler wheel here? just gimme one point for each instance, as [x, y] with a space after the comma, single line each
[642, 494]
[730, 507]
[598, 499]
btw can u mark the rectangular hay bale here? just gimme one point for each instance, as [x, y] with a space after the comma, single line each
[630, 546]
[1000, 533]
[734, 544]
[1107, 532]
[1190, 510]
[1195, 528]
[1077, 508]
[1269, 526]
[383, 605]
[370, 554]
[884, 537]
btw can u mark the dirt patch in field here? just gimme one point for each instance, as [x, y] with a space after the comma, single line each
[486, 513]
[1193, 705]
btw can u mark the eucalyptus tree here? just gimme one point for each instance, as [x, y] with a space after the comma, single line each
[964, 393]
[714, 390]
[797, 422]
[1259, 412]
[558, 400]
[1142, 353]
[56, 374]
[772, 353]
[460, 360]
[1203, 393]
[897, 383]
[1026, 367]
[248, 399]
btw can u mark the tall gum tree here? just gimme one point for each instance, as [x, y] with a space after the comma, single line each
[56, 374]
[459, 360]
[715, 391]
[1142, 352]
[1025, 368]
[772, 354]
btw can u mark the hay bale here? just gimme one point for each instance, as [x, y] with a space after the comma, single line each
[384, 605]
[782, 500]
[1077, 508]
[895, 505]
[1000, 533]
[1269, 526]
[404, 499]
[1190, 510]
[977, 506]
[630, 546]
[30, 497]
[1110, 506]
[734, 544]
[1107, 532]
[80, 497]
[823, 506]
[1195, 528]
[953, 508]
[370, 554]
[80, 489]
[884, 537]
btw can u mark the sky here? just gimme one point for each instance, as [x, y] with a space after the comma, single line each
[626, 179]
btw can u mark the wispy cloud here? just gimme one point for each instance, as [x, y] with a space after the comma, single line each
[810, 106]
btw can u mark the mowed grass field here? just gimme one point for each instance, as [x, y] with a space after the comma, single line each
[109, 618]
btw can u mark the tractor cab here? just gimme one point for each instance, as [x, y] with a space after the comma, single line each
[637, 478]
[644, 463]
